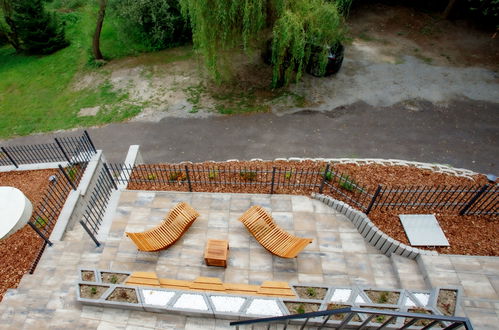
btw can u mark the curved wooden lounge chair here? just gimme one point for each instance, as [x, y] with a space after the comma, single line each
[270, 236]
[179, 219]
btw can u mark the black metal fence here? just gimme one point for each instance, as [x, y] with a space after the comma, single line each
[262, 178]
[65, 149]
[97, 203]
[46, 212]
[195, 177]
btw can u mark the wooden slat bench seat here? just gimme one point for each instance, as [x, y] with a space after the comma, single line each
[207, 284]
[279, 242]
[271, 288]
[174, 284]
[212, 284]
[179, 219]
[143, 279]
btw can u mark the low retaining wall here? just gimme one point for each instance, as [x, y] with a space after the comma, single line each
[77, 201]
[439, 168]
[370, 232]
[241, 307]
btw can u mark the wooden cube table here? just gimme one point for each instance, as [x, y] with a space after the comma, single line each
[216, 252]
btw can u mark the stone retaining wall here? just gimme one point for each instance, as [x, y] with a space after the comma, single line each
[370, 232]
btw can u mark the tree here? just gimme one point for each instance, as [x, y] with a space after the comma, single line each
[96, 39]
[32, 29]
[298, 27]
[156, 23]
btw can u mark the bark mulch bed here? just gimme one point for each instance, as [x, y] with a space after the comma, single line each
[21, 249]
[468, 235]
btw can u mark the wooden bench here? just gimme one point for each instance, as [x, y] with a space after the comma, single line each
[271, 288]
[179, 219]
[211, 284]
[279, 242]
[207, 284]
[143, 279]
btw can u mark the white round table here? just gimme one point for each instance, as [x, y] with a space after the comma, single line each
[15, 211]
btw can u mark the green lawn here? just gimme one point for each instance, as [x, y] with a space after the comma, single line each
[36, 93]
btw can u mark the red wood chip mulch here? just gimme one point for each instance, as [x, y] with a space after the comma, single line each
[21, 248]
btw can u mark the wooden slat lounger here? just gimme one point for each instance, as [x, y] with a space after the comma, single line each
[179, 219]
[270, 236]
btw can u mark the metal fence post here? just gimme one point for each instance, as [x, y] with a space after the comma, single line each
[321, 188]
[9, 157]
[62, 149]
[188, 178]
[273, 177]
[110, 176]
[67, 177]
[473, 200]
[89, 140]
[40, 233]
[371, 204]
[89, 232]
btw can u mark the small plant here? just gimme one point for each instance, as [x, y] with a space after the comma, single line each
[348, 184]
[151, 177]
[212, 174]
[93, 290]
[329, 176]
[114, 279]
[248, 175]
[174, 176]
[123, 294]
[311, 292]
[40, 222]
[383, 297]
[380, 318]
[71, 172]
[300, 309]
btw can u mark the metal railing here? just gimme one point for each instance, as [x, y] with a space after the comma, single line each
[97, 203]
[65, 149]
[46, 212]
[322, 178]
[367, 318]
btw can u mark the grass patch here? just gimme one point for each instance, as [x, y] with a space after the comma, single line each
[36, 93]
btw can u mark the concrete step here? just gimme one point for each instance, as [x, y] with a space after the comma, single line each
[408, 273]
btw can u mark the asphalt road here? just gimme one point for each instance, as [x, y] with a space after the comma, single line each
[463, 134]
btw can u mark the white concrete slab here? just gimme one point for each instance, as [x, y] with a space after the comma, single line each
[423, 230]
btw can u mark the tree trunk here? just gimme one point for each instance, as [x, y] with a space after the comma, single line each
[11, 32]
[96, 40]
[448, 9]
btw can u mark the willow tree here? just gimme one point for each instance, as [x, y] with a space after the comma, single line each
[299, 27]
[218, 25]
[305, 27]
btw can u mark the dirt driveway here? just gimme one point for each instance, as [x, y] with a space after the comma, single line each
[395, 56]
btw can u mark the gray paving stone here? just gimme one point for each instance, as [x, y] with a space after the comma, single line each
[339, 256]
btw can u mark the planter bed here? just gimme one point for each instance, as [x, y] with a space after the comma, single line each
[309, 292]
[302, 307]
[113, 278]
[446, 301]
[91, 291]
[26, 243]
[234, 306]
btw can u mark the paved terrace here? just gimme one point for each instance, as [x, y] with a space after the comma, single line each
[338, 256]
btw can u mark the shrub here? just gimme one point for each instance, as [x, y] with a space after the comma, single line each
[300, 309]
[212, 174]
[157, 23]
[34, 29]
[247, 175]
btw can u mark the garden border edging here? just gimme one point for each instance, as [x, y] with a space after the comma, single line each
[370, 232]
